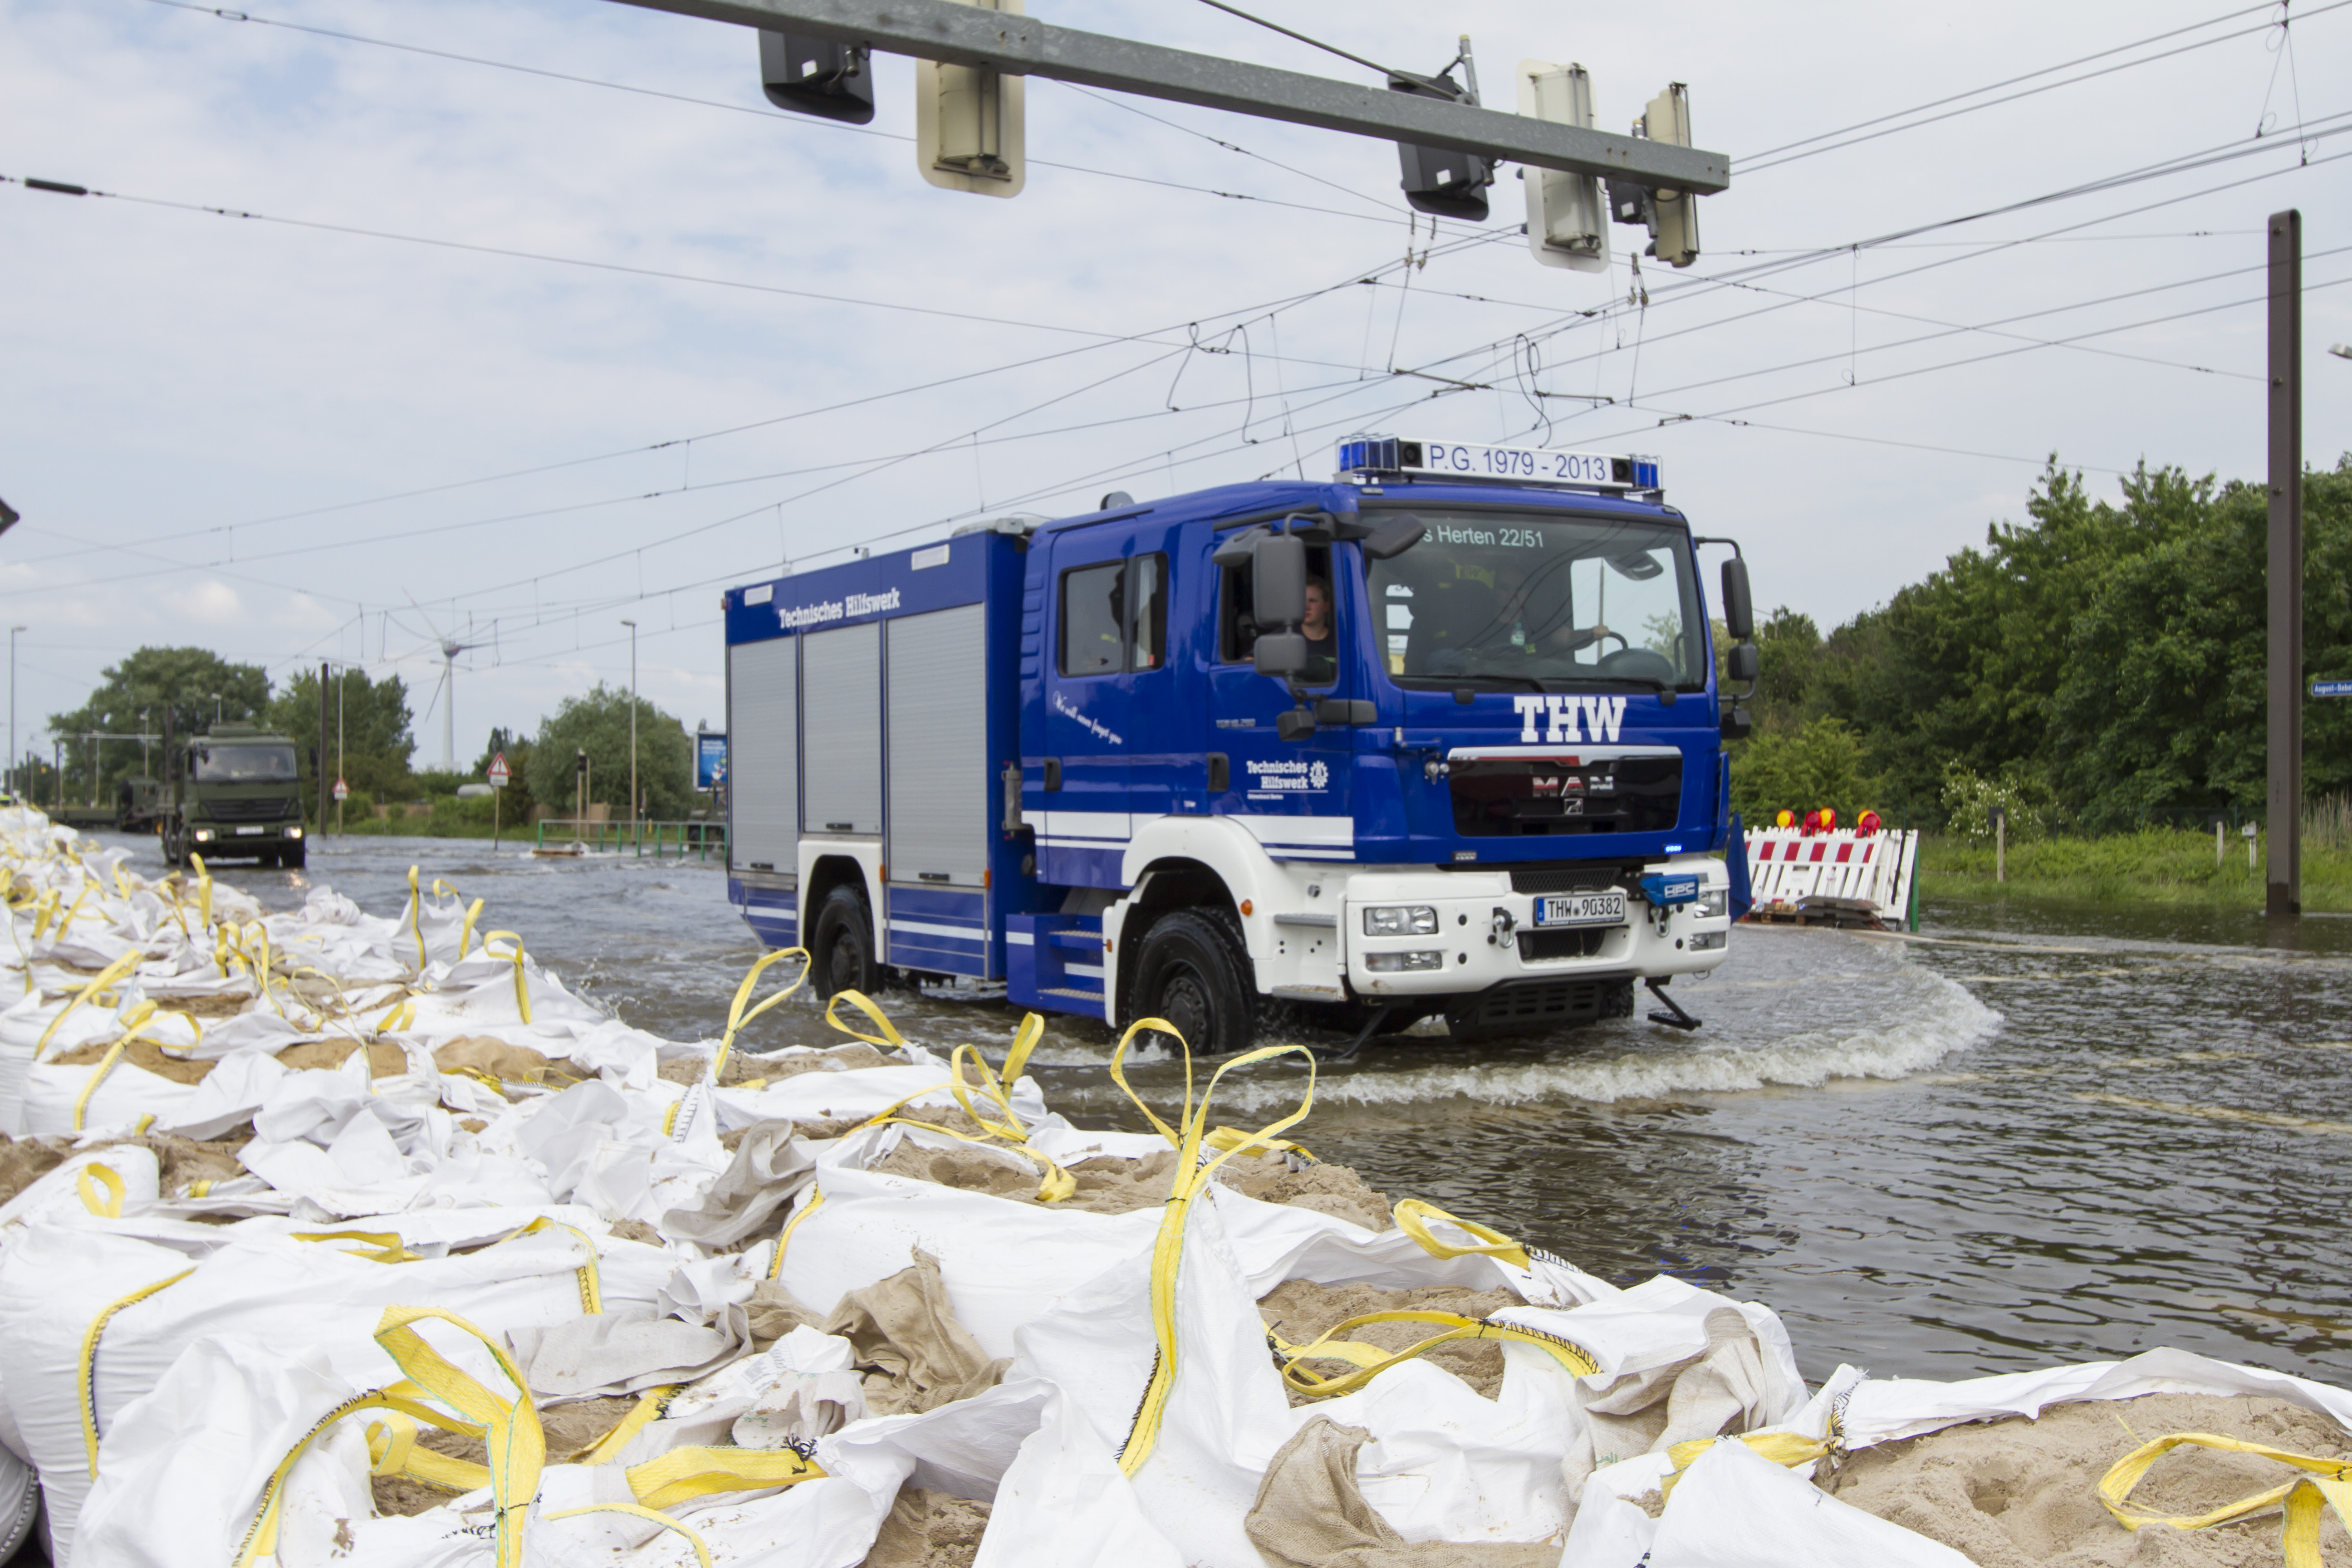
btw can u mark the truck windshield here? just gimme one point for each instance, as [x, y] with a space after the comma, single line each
[243, 765]
[1540, 600]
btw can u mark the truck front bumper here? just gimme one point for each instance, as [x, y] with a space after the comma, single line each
[1472, 931]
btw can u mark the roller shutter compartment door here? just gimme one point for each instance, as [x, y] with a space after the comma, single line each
[763, 755]
[843, 729]
[940, 797]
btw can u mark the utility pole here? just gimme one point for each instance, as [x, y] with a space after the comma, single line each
[2283, 894]
[632, 732]
[13, 770]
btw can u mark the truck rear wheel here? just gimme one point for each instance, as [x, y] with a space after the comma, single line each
[1191, 972]
[841, 956]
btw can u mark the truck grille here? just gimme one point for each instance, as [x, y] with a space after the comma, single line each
[1576, 942]
[246, 810]
[1563, 878]
[1526, 796]
[1519, 1005]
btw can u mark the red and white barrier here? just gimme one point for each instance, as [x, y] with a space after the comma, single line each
[1787, 866]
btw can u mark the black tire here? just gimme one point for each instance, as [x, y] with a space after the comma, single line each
[841, 953]
[1193, 972]
[176, 854]
[294, 860]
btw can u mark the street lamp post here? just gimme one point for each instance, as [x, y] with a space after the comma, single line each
[636, 834]
[12, 706]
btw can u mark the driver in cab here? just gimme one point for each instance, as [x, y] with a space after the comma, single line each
[1322, 638]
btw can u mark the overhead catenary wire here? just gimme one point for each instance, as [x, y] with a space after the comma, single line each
[1755, 164]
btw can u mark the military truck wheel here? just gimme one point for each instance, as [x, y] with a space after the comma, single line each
[842, 955]
[295, 857]
[1191, 972]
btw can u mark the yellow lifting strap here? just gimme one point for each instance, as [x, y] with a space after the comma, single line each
[97, 982]
[86, 1372]
[1057, 1184]
[415, 918]
[784, 1236]
[1412, 1217]
[522, 991]
[1193, 1174]
[383, 1246]
[649, 1406]
[683, 1474]
[1370, 1361]
[466, 932]
[1787, 1449]
[702, 1553]
[2327, 1484]
[737, 1017]
[111, 1205]
[864, 1004]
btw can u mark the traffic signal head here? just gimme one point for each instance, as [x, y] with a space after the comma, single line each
[1566, 227]
[1673, 234]
[969, 123]
[816, 76]
[1438, 180]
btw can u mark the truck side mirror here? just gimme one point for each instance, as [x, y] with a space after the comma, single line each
[1742, 663]
[1739, 608]
[1279, 581]
[1281, 655]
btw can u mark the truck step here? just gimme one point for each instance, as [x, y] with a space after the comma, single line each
[1069, 995]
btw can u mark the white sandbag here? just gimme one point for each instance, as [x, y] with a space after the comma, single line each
[169, 1493]
[99, 1097]
[870, 1223]
[56, 1194]
[228, 1095]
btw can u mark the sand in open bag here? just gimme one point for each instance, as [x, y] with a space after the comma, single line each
[1108, 1184]
[1299, 1310]
[929, 1529]
[2018, 1493]
[571, 1430]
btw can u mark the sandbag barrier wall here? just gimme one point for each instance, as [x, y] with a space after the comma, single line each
[354, 1239]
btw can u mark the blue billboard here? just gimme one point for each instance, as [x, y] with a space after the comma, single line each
[709, 761]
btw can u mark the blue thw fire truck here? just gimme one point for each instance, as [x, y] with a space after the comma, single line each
[1442, 736]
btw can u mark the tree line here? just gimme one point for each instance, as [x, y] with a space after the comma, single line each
[370, 736]
[2100, 665]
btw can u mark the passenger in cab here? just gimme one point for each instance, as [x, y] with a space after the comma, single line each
[1322, 637]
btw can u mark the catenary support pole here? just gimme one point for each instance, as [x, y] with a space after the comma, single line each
[2283, 894]
[326, 788]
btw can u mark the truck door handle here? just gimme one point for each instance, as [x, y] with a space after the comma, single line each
[1346, 710]
[1052, 773]
[1221, 772]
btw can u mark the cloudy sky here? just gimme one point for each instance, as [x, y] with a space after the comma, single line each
[511, 357]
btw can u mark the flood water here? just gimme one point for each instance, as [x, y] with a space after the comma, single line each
[2043, 1134]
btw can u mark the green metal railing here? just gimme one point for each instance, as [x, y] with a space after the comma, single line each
[699, 839]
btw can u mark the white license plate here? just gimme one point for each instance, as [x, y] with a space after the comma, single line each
[1581, 909]
[253, 831]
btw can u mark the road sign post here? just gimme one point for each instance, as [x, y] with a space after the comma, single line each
[499, 774]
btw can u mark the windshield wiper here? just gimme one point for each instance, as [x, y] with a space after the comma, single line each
[1666, 689]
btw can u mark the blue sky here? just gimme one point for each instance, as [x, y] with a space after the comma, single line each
[201, 416]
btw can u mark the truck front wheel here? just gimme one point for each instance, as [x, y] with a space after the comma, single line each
[1191, 972]
[842, 955]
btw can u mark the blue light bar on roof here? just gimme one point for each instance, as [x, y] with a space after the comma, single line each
[1374, 454]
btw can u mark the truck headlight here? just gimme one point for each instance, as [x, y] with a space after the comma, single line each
[1713, 904]
[1401, 919]
[203, 836]
[293, 833]
[1399, 963]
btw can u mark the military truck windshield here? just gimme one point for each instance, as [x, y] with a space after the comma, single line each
[244, 764]
[1531, 601]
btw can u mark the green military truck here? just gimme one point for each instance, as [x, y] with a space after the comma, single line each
[232, 794]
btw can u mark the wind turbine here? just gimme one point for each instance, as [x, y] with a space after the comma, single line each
[450, 648]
